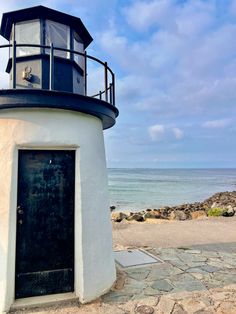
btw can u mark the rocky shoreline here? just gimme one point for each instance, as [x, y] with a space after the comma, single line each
[219, 204]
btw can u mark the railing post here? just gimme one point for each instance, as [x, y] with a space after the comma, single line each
[110, 92]
[113, 90]
[14, 58]
[51, 73]
[14, 64]
[106, 82]
[85, 73]
[100, 95]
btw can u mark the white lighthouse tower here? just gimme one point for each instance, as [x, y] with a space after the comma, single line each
[55, 231]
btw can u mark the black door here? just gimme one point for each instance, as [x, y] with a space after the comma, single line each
[45, 223]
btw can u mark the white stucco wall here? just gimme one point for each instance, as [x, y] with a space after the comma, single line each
[59, 129]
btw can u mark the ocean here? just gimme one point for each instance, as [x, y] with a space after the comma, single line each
[136, 189]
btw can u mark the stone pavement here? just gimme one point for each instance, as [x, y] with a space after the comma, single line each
[198, 279]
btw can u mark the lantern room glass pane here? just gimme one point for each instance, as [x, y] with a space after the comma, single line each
[27, 33]
[59, 35]
[78, 46]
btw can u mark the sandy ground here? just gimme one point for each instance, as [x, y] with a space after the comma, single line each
[164, 233]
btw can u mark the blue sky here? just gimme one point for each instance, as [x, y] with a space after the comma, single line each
[175, 65]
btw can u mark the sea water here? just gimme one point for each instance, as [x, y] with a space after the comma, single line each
[135, 189]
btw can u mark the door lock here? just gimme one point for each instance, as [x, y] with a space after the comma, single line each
[20, 210]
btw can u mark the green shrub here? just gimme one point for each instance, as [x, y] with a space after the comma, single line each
[215, 212]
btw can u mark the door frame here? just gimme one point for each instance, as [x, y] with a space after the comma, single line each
[11, 258]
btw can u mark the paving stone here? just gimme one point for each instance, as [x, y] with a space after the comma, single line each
[162, 285]
[208, 310]
[211, 283]
[105, 309]
[198, 270]
[178, 310]
[165, 305]
[197, 275]
[116, 297]
[231, 287]
[230, 261]
[179, 264]
[181, 278]
[163, 271]
[133, 286]
[195, 264]
[206, 300]
[151, 301]
[225, 278]
[227, 308]
[220, 264]
[225, 254]
[152, 292]
[127, 307]
[224, 295]
[184, 294]
[169, 257]
[209, 268]
[193, 285]
[192, 257]
[192, 305]
[194, 252]
[138, 274]
[208, 254]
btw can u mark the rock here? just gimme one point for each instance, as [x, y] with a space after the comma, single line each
[112, 208]
[198, 214]
[172, 215]
[144, 309]
[229, 211]
[164, 212]
[222, 200]
[153, 214]
[147, 215]
[118, 217]
[136, 217]
[177, 215]
[165, 305]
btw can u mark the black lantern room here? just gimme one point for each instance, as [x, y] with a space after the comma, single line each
[48, 64]
[46, 27]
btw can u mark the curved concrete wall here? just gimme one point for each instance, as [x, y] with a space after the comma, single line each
[59, 129]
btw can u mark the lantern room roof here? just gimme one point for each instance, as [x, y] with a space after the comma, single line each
[41, 12]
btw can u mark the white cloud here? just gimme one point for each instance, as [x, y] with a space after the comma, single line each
[184, 70]
[178, 133]
[156, 132]
[142, 14]
[216, 124]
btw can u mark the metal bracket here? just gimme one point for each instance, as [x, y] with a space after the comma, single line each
[26, 74]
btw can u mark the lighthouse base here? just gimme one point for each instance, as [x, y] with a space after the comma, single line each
[91, 260]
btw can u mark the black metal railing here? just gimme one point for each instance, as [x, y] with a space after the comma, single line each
[107, 94]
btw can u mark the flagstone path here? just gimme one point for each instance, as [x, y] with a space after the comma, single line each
[198, 279]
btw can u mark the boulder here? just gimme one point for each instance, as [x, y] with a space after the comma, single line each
[112, 208]
[136, 217]
[229, 211]
[198, 214]
[177, 215]
[118, 217]
[153, 214]
[164, 212]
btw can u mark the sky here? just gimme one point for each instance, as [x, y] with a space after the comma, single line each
[175, 66]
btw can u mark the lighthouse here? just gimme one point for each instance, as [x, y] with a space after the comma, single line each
[55, 230]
